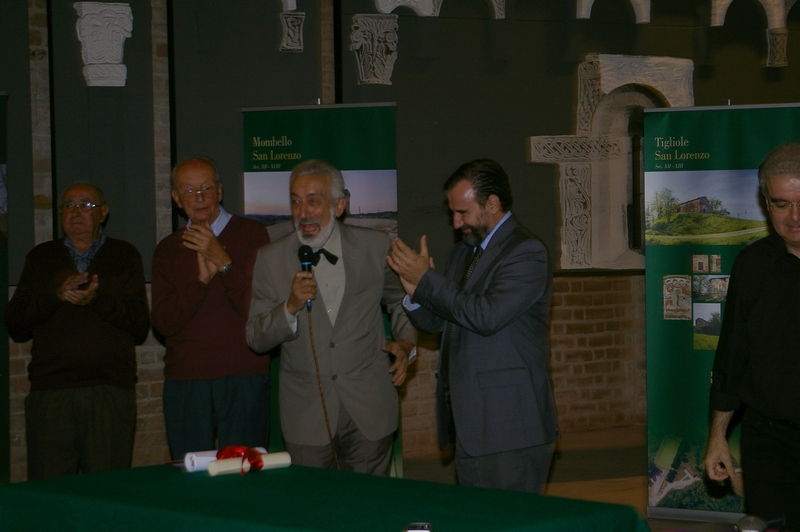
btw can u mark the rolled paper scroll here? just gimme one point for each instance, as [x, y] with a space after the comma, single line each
[198, 461]
[228, 466]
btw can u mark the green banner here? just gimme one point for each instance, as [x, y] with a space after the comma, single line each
[702, 206]
[360, 141]
[351, 137]
[5, 427]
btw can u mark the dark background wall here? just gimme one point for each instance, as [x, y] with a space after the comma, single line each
[16, 82]
[466, 86]
[104, 135]
[225, 58]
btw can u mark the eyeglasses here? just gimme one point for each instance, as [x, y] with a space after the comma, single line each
[782, 207]
[192, 194]
[85, 207]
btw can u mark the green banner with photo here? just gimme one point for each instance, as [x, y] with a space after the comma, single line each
[360, 140]
[702, 206]
[5, 426]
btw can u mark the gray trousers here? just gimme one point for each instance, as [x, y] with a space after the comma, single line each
[518, 470]
[355, 452]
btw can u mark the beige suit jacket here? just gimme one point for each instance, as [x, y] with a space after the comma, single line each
[353, 368]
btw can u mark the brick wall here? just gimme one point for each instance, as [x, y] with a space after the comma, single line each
[597, 362]
[598, 352]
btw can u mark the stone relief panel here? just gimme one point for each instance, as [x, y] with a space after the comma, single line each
[374, 41]
[595, 165]
[574, 190]
[102, 29]
[292, 27]
[292, 35]
[641, 8]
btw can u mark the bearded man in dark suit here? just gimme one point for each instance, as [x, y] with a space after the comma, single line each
[492, 305]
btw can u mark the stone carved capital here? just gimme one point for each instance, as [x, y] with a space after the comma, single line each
[292, 36]
[374, 41]
[102, 29]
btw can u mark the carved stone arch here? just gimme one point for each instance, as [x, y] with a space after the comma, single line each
[431, 8]
[600, 166]
[619, 183]
[614, 113]
[641, 9]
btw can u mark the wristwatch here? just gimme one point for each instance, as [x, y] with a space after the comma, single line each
[225, 268]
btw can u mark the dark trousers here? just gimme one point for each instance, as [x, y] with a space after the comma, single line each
[355, 452]
[202, 415]
[771, 467]
[82, 430]
[518, 470]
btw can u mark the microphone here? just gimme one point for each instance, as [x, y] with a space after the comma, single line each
[306, 256]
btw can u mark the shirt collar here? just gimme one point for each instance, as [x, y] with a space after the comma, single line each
[219, 224]
[334, 243]
[82, 260]
[486, 240]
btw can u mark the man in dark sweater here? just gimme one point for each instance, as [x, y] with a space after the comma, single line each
[82, 300]
[216, 390]
[757, 367]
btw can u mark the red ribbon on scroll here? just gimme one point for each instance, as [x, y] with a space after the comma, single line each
[247, 454]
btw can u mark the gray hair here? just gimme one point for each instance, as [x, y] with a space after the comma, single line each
[321, 166]
[782, 160]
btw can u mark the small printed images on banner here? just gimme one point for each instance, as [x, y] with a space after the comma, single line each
[677, 297]
[709, 288]
[700, 264]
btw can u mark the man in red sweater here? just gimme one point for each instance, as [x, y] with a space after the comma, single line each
[216, 390]
[83, 301]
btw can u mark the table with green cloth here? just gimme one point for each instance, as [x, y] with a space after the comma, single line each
[296, 498]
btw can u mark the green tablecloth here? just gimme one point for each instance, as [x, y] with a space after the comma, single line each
[292, 499]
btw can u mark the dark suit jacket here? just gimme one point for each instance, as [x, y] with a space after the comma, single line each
[499, 382]
[354, 369]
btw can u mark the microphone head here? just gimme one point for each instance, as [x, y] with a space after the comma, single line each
[305, 254]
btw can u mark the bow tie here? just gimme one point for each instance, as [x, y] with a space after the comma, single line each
[330, 257]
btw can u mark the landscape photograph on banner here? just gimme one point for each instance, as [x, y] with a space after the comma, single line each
[371, 200]
[714, 207]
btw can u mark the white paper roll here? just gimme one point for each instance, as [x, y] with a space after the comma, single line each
[199, 460]
[276, 460]
[237, 465]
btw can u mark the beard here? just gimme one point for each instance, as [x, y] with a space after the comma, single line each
[321, 238]
[473, 235]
